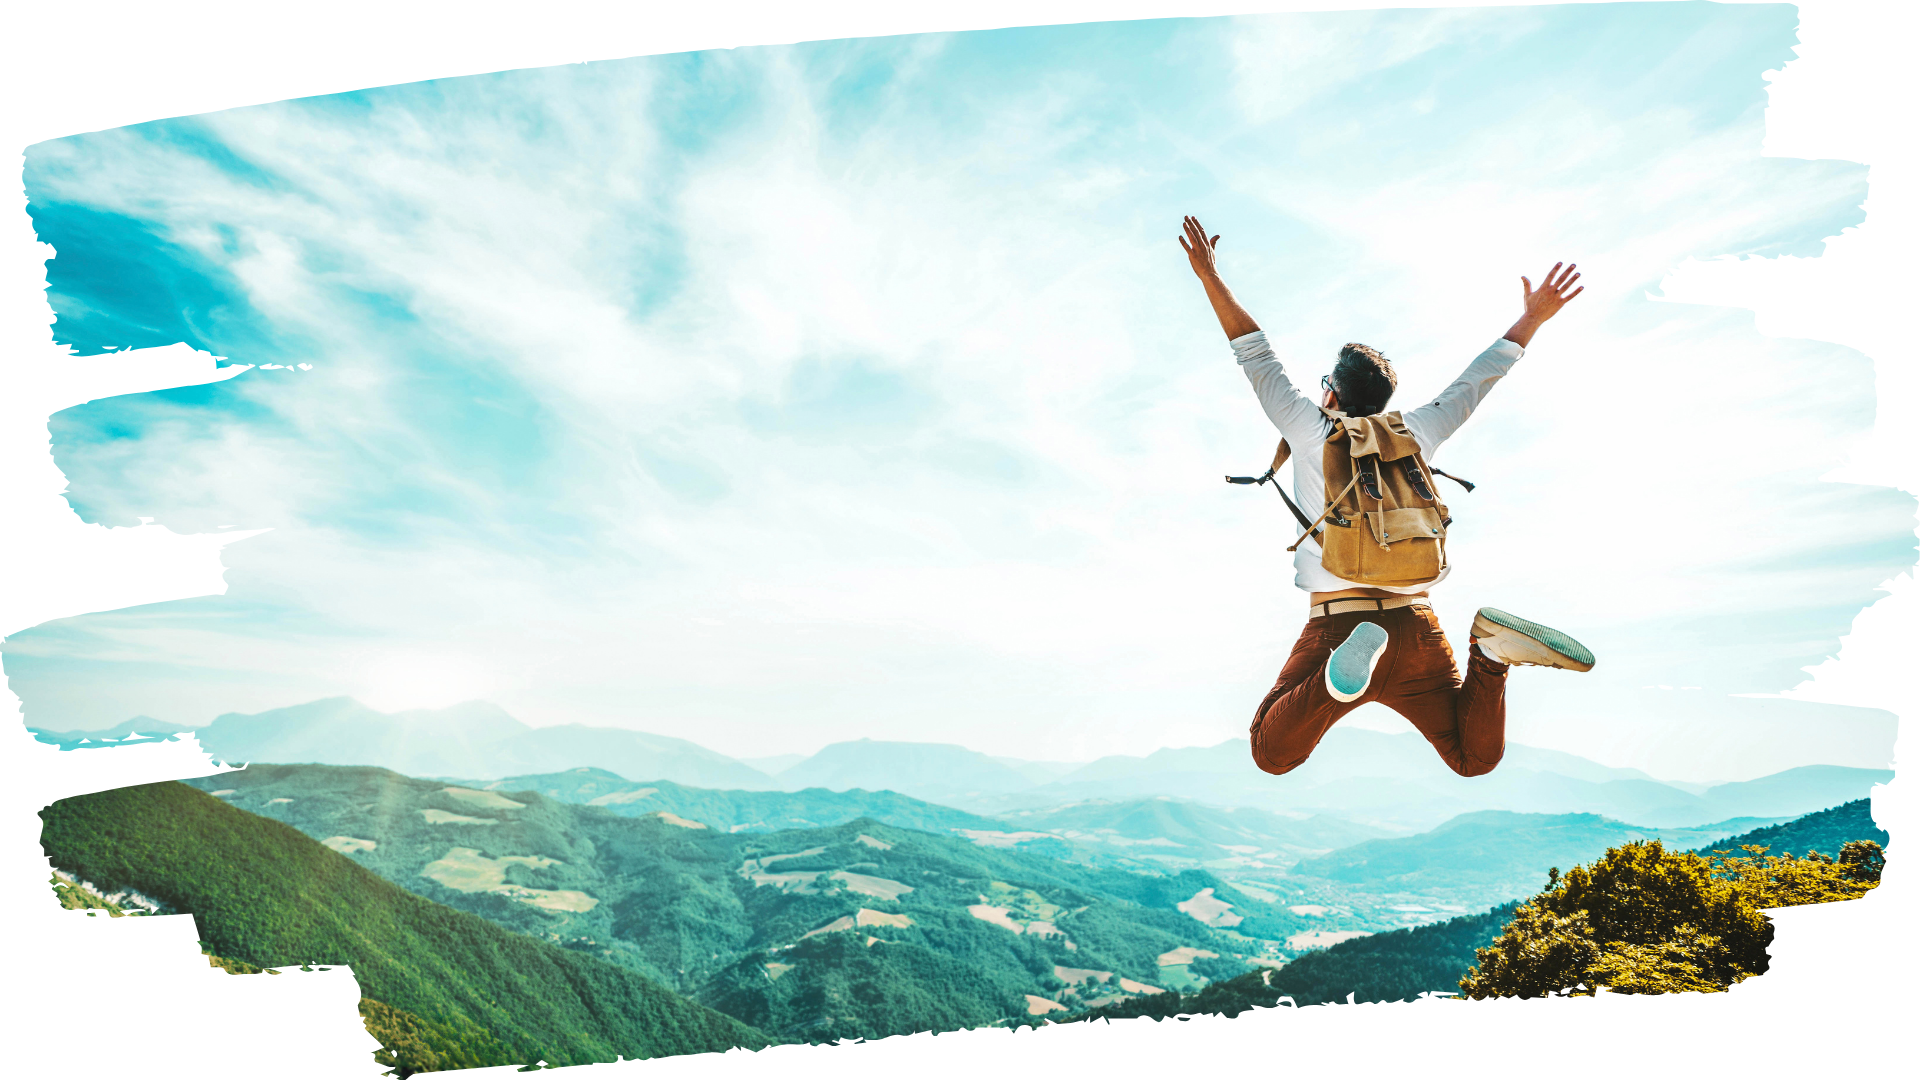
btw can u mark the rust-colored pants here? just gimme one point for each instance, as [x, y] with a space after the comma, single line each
[1465, 721]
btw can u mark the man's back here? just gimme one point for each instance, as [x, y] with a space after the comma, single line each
[1305, 426]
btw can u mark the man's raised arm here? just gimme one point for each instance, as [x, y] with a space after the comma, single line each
[1433, 424]
[1233, 318]
[1297, 417]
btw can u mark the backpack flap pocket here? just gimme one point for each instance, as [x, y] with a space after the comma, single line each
[1409, 523]
[1392, 548]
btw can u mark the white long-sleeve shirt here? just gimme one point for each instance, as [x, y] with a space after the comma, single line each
[1306, 428]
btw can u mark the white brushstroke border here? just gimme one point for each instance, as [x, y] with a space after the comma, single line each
[94, 997]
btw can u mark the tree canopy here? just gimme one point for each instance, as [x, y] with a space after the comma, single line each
[1646, 920]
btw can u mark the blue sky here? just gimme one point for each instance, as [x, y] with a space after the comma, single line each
[777, 396]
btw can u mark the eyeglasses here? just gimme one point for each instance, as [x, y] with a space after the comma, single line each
[1326, 383]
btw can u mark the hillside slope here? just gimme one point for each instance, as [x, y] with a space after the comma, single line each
[263, 894]
[1825, 832]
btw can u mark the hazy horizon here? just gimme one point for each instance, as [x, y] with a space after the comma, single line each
[802, 755]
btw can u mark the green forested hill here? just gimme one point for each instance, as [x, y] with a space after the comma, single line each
[1396, 966]
[857, 929]
[1825, 832]
[465, 991]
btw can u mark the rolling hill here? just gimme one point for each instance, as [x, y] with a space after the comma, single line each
[755, 923]
[1825, 832]
[465, 991]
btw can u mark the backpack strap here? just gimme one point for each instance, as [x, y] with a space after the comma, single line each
[1328, 510]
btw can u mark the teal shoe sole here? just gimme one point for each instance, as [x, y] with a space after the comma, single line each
[1350, 667]
[1545, 635]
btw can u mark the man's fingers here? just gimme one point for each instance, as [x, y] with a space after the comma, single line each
[1565, 285]
[1215, 242]
[1575, 293]
[1526, 286]
[1183, 244]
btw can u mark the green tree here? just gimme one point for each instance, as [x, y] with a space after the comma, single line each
[1863, 861]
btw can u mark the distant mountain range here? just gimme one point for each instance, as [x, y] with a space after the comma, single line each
[1396, 782]
[1488, 856]
[473, 739]
[1392, 783]
[741, 811]
[936, 772]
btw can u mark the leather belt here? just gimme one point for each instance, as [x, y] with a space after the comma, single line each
[1366, 603]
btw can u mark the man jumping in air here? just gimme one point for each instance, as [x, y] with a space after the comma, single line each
[1383, 644]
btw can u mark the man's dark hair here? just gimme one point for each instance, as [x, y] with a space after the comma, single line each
[1363, 379]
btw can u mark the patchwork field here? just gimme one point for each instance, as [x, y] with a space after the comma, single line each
[466, 870]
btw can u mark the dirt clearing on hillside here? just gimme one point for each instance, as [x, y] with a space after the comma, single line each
[1209, 909]
[871, 886]
[869, 917]
[621, 798]
[484, 799]
[442, 817]
[1076, 976]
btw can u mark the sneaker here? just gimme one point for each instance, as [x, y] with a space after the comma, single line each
[1509, 639]
[1350, 668]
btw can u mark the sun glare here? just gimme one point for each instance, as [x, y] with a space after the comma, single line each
[392, 681]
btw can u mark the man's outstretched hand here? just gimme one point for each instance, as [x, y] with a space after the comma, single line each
[1199, 248]
[1541, 304]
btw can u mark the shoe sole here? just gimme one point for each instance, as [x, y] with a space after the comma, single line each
[1350, 667]
[1529, 642]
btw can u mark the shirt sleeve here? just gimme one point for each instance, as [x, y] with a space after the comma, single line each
[1297, 417]
[1433, 424]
